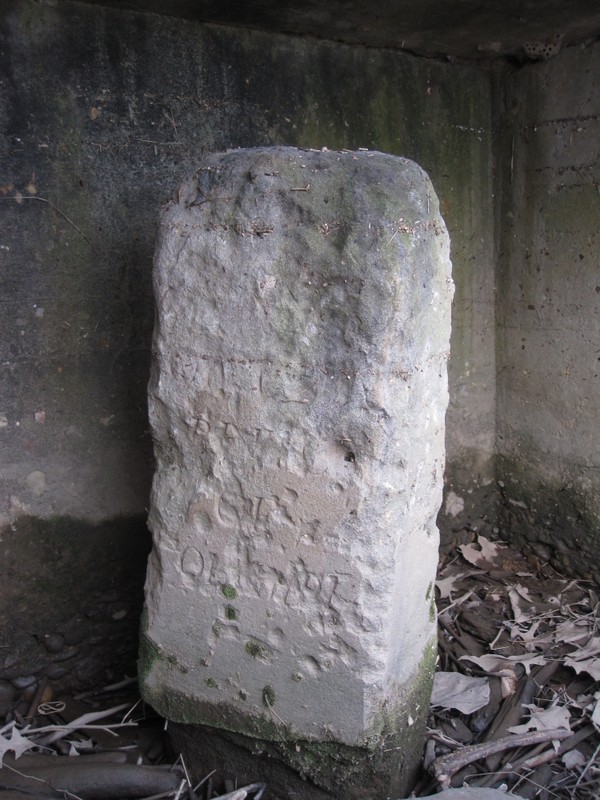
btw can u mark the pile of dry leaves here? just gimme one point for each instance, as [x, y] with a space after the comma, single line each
[62, 749]
[516, 701]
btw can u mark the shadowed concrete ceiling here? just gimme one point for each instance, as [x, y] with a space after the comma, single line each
[471, 29]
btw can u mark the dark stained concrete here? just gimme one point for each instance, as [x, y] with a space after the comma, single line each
[470, 29]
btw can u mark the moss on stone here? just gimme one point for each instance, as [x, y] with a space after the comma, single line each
[149, 652]
[229, 591]
[390, 753]
[388, 758]
[257, 650]
[268, 695]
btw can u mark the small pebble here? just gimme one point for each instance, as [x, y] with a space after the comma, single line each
[29, 693]
[55, 671]
[53, 642]
[541, 550]
[66, 654]
[9, 661]
[36, 483]
[24, 682]
[94, 609]
[77, 632]
[22, 708]
[562, 546]
[462, 733]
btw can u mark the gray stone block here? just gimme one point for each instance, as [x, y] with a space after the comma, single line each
[297, 403]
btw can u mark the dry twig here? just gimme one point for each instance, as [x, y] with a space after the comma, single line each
[444, 767]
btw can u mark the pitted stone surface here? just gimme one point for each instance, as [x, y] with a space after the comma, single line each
[297, 404]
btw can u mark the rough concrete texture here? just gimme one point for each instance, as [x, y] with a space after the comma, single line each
[101, 113]
[549, 311]
[432, 28]
[297, 403]
[72, 632]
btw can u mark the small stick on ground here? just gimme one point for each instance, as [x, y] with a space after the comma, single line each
[444, 767]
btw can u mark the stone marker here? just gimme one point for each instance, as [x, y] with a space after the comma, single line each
[297, 404]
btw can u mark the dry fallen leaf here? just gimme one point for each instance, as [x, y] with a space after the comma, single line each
[566, 632]
[586, 658]
[17, 743]
[462, 692]
[446, 585]
[522, 605]
[544, 719]
[571, 631]
[574, 758]
[553, 621]
[592, 648]
[508, 685]
[494, 665]
[484, 557]
[590, 665]
[526, 635]
[502, 665]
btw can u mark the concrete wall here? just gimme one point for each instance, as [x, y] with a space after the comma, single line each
[549, 309]
[101, 114]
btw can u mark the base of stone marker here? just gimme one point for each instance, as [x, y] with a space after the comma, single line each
[309, 769]
[300, 770]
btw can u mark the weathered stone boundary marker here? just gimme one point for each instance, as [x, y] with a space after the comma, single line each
[297, 403]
